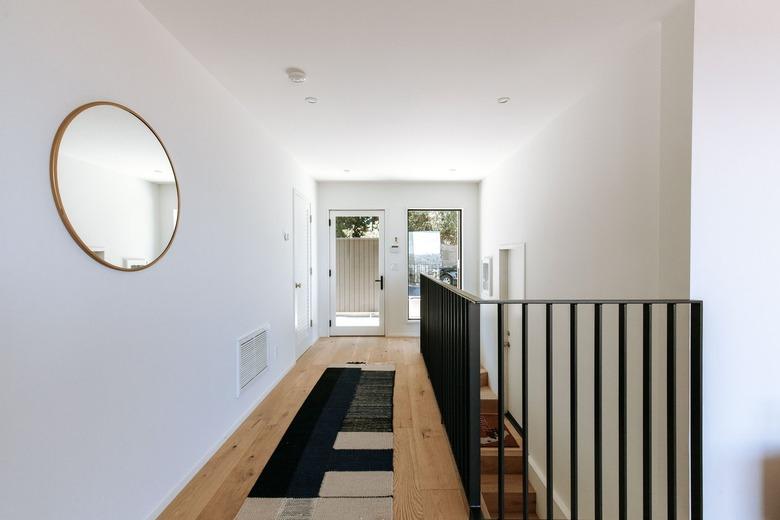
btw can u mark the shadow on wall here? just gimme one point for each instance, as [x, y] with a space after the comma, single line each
[771, 487]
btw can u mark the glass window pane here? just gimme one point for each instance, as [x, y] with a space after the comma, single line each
[357, 227]
[434, 250]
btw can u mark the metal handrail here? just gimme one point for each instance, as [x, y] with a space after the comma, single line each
[560, 301]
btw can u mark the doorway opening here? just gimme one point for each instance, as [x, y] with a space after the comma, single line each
[357, 279]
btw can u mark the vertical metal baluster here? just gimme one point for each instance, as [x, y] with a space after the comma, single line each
[501, 501]
[671, 411]
[573, 409]
[597, 426]
[647, 411]
[622, 421]
[465, 375]
[445, 409]
[474, 405]
[697, 381]
[526, 428]
[549, 396]
[462, 375]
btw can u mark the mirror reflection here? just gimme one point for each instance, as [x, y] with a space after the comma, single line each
[115, 186]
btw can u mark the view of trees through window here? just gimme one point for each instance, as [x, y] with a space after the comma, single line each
[434, 250]
[357, 227]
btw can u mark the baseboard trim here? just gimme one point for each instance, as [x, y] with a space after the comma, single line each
[539, 482]
[213, 450]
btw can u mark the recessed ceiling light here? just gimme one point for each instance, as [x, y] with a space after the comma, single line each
[503, 100]
[311, 99]
[347, 171]
[158, 171]
[296, 75]
[453, 170]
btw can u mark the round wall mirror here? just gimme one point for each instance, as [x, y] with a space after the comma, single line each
[114, 186]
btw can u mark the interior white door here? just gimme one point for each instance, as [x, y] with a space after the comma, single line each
[356, 273]
[302, 272]
[512, 287]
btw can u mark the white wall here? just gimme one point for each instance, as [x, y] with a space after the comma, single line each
[598, 197]
[395, 198]
[114, 386]
[674, 186]
[736, 252]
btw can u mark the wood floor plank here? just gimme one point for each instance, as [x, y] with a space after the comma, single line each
[426, 484]
[445, 504]
[407, 498]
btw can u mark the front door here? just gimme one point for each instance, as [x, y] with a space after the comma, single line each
[357, 279]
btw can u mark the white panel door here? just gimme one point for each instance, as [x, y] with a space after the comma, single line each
[356, 273]
[512, 286]
[302, 272]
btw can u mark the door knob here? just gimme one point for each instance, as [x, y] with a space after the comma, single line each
[298, 285]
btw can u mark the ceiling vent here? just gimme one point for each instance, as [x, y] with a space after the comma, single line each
[252, 356]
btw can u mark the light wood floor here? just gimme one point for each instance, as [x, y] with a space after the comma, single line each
[427, 485]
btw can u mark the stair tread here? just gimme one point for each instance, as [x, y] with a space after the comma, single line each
[511, 516]
[485, 393]
[513, 483]
[492, 451]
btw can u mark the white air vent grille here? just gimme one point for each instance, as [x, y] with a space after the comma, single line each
[252, 356]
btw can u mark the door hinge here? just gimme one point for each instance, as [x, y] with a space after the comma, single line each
[328, 222]
[311, 270]
[311, 323]
[330, 273]
[310, 220]
[330, 323]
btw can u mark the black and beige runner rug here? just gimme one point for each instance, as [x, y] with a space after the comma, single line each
[335, 461]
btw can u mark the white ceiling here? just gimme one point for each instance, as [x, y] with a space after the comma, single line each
[407, 89]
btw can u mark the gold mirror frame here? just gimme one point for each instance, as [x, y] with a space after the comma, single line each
[55, 189]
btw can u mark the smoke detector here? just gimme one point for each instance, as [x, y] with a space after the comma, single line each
[503, 100]
[296, 75]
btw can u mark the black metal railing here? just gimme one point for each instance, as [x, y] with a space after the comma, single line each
[450, 344]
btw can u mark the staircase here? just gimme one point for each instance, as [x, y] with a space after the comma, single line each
[513, 464]
[450, 343]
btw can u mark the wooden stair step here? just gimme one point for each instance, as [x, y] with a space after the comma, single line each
[513, 460]
[507, 515]
[488, 514]
[513, 494]
[483, 376]
[488, 400]
[513, 483]
[513, 456]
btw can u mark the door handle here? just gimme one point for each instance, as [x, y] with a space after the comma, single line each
[381, 282]
[298, 285]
